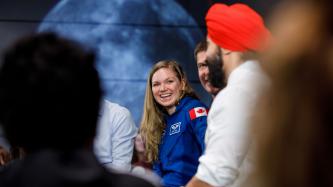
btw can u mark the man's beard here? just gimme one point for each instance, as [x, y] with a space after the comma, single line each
[216, 75]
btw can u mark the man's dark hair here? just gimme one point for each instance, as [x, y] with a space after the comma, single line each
[50, 93]
[201, 46]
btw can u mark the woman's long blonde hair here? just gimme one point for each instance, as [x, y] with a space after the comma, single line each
[152, 123]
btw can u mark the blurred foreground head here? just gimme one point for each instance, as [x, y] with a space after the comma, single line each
[294, 128]
[50, 93]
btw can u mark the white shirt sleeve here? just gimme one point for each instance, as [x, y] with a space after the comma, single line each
[114, 142]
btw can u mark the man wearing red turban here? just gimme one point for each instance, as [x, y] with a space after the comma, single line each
[235, 34]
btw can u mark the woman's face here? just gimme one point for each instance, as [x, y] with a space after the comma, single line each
[166, 88]
[139, 145]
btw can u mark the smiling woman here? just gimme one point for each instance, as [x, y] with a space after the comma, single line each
[173, 124]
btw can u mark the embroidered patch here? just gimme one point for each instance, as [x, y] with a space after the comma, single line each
[175, 128]
[197, 112]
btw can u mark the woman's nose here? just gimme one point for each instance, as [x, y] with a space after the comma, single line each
[162, 87]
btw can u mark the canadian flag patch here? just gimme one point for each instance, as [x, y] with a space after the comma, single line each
[197, 112]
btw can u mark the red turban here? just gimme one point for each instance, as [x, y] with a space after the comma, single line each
[236, 27]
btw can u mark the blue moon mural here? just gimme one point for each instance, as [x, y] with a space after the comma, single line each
[129, 36]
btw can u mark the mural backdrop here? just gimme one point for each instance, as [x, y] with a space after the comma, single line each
[129, 36]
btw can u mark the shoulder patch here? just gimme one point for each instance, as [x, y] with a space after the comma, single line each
[197, 112]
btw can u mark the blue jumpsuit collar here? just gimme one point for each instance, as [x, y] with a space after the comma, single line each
[181, 104]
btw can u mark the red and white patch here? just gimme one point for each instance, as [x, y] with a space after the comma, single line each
[197, 112]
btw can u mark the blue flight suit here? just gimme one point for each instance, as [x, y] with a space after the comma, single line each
[182, 143]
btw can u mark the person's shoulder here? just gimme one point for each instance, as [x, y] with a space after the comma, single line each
[115, 107]
[122, 179]
[195, 108]
[193, 103]
[247, 74]
[28, 171]
[108, 179]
